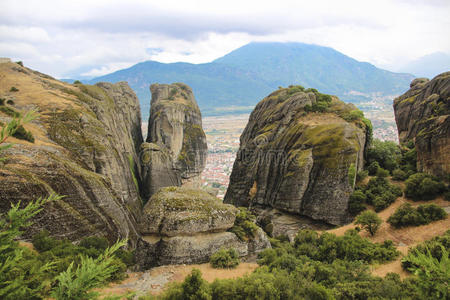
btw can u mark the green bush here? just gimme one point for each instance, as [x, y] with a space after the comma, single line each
[2, 101]
[421, 186]
[13, 89]
[361, 175]
[382, 173]
[380, 193]
[225, 259]
[386, 153]
[244, 225]
[77, 82]
[10, 102]
[20, 63]
[373, 168]
[22, 134]
[399, 175]
[369, 221]
[356, 202]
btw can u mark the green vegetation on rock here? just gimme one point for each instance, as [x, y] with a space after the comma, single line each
[244, 225]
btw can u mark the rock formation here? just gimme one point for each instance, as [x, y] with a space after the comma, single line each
[299, 162]
[422, 116]
[176, 148]
[187, 225]
[87, 139]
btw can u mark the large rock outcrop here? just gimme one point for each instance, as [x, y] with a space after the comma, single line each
[87, 139]
[299, 162]
[175, 139]
[185, 225]
[422, 116]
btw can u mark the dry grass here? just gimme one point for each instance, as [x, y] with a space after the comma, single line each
[403, 238]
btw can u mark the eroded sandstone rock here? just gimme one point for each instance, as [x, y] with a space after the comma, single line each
[175, 125]
[422, 116]
[86, 146]
[297, 161]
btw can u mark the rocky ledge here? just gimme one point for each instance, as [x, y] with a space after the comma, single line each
[422, 116]
[185, 225]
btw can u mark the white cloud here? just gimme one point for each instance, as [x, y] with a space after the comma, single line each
[93, 37]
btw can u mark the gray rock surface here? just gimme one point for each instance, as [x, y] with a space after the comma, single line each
[174, 211]
[86, 149]
[296, 161]
[175, 125]
[422, 116]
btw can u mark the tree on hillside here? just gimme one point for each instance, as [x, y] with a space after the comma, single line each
[369, 221]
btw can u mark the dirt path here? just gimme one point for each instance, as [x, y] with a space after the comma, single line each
[155, 280]
[403, 238]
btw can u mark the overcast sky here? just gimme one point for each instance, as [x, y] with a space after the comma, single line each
[91, 38]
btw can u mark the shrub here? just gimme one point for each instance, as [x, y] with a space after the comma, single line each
[20, 63]
[361, 175]
[2, 101]
[356, 202]
[382, 173]
[13, 89]
[22, 134]
[369, 221]
[225, 259]
[399, 175]
[373, 168]
[244, 225]
[422, 186]
[431, 212]
[386, 153]
[77, 82]
[406, 215]
[10, 102]
[381, 193]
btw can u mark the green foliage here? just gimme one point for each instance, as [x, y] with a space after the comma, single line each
[77, 82]
[380, 193]
[387, 154]
[361, 175]
[356, 202]
[373, 168]
[225, 259]
[399, 175]
[78, 282]
[10, 102]
[20, 63]
[22, 276]
[2, 101]
[421, 186]
[382, 173]
[22, 134]
[244, 225]
[13, 89]
[369, 221]
[352, 174]
[304, 270]
[406, 215]
[430, 262]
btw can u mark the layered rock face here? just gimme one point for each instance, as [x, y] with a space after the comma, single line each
[175, 137]
[86, 147]
[422, 116]
[187, 225]
[299, 162]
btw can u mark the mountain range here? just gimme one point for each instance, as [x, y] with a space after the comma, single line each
[238, 80]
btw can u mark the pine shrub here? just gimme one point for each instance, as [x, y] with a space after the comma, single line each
[225, 259]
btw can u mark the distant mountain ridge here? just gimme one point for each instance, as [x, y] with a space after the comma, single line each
[238, 80]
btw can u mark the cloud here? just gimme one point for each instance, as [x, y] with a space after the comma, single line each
[91, 37]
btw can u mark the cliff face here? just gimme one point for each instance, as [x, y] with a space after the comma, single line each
[86, 148]
[422, 116]
[298, 162]
[176, 138]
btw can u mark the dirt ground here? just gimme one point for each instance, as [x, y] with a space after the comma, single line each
[403, 238]
[155, 280]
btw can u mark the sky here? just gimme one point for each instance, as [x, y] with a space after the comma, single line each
[70, 39]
